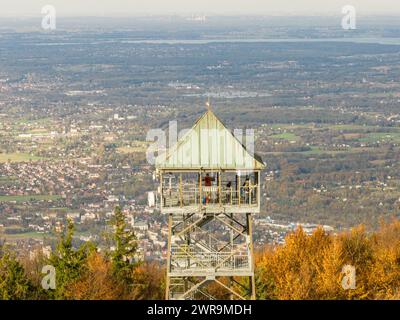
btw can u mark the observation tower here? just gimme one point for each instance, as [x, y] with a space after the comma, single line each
[209, 188]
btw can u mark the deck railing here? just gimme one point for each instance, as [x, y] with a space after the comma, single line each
[187, 258]
[190, 194]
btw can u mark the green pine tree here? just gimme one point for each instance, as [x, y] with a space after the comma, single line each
[69, 263]
[125, 244]
[14, 283]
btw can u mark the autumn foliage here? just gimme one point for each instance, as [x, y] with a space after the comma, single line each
[305, 267]
[310, 267]
[100, 283]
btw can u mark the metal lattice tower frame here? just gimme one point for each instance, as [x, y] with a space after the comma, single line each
[195, 257]
[210, 243]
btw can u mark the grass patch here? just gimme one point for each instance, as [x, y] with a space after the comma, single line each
[8, 179]
[26, 235]
[375, 137]
[350, 127]
[18, 157]
[286, 136]
[315, 150]
[135, 147]
[30, 198]
[290, 126]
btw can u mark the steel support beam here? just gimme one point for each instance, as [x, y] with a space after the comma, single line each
[193, 263]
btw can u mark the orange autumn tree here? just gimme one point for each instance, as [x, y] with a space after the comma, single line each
[384, 276]
[97, 283]
[310, 267]
[148, 282]
[290, 271]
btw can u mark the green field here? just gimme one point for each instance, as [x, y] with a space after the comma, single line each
[290, 126]
[136, 146]
[315, 150]
[128, 150]
[29, 198]
[381, 136]
[36, 235]
[6, 179]
[286, 136]
[318, 150]
[25, 235]
[17, 157]
[349, 127]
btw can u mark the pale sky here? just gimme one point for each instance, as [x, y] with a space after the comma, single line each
[21, 8]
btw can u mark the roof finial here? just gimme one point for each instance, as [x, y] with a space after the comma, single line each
[208, 104]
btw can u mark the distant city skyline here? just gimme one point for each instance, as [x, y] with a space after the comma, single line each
[24, 8]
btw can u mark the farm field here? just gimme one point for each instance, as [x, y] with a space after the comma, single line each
[28, 198]
[17, 157]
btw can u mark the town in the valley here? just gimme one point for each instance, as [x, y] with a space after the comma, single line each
[74, 126]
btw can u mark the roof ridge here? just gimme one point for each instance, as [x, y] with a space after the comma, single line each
[172, 150]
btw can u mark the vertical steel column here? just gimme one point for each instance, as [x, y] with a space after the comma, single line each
[250, 235]
[167, 279]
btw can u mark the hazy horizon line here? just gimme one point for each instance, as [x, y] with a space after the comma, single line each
[148, 15]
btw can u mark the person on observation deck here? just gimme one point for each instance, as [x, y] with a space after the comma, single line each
[208, 180]
[207, 183]
[246, 189]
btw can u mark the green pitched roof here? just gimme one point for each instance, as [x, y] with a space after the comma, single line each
[208, 145]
